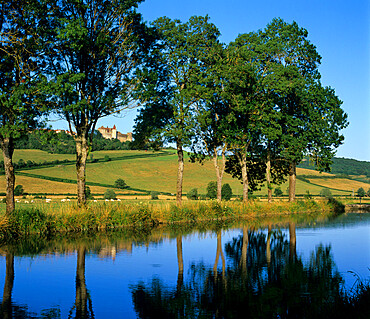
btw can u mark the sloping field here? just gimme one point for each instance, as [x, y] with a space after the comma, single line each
[153, 174]
[36, 185]
[340, 183]
[146, 171]
[39, 156]
[305, 171]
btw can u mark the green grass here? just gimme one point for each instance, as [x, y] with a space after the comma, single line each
[39, 156]
[150, 171]
[48, 219]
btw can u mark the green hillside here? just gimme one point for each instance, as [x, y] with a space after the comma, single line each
[150, 171]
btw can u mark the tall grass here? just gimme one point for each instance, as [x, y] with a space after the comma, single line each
[47, 219]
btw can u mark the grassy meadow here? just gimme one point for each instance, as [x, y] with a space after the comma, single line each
[151, 171]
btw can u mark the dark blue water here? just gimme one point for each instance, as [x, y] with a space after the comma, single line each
[185, 272]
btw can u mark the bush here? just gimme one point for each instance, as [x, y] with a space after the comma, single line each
[154, 195]
[278, 191]
[192, 194]
[325, 192]
[106, 158]
[212, 190]
[18, 190]
[110, 194]
[226, 192]
[120, 183]
[360, 192]
[88, 193]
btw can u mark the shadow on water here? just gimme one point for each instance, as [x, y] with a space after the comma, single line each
[258, 274]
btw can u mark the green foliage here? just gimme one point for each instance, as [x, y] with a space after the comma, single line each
[154, 195]
[350, 167]
[361, 192]
[226, 192]
[110, 194]
[256, 169]
[368, 193]
[63, 143]
[18, 190]
[337, 206]
[212, 190]
[325, 192]
[192, 194]
[88, 193]
[28, 221]
[120, 183]
[107, 158]
[278, 192]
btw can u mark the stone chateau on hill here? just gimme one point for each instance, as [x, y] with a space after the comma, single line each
[110, 133]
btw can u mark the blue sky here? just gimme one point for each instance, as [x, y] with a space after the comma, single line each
[340, 29]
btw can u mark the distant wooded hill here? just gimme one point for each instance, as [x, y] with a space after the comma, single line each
[344, 166]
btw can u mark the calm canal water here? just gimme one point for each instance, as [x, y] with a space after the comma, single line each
[212, 272]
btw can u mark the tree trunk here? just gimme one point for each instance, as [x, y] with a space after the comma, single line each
[180, 262]
[81, 290]
[180, 173]
[7, 147]
[292, 181]
[244, 255]
[6, 305]
[82, 149]
[292, 241]
[219, 172]
[268, 245]
[243, 164]
[219, 253]
[268, 177]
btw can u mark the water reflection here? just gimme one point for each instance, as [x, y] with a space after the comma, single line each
[83, 304]
[6, 305]
[251, 271]
[265, 278]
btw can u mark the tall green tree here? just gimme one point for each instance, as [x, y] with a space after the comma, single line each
[211, 114]
[172, 92]
[247, 108]
[260, 55]
[21, 86]
[327, 119]
[94, 49]
[295, 62]
[287, 65]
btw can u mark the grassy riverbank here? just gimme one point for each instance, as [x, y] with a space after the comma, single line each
[49, 219]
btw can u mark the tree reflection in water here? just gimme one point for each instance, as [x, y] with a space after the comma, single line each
[264, 278]
[82, 308]
[10, 310]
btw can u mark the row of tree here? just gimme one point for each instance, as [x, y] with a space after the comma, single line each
[255, 106]
[257, 101]
[63, 143]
